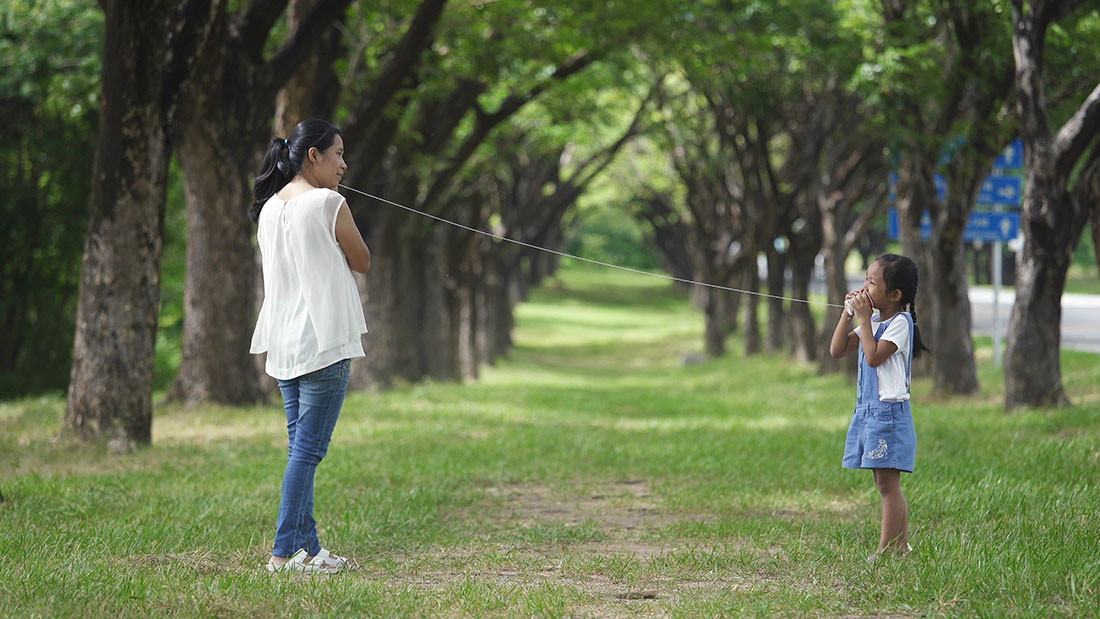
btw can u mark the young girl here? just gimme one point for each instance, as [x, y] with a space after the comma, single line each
[311, 321]
[881, 435]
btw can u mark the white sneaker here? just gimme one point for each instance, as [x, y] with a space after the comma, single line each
[327, 558]
[297, 563]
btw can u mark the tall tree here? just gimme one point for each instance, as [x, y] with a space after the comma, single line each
[715, 209]
[148, 59]
[1053, 215]
[225, 117]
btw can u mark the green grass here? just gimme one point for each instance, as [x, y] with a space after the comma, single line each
[592, 473]
[1082, 281]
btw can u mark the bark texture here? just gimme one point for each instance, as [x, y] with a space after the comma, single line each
[148, 57]
[225, 116]
[1052, 218]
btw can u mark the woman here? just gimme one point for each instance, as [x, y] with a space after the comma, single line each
[311, 321]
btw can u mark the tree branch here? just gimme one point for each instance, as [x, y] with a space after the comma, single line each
[194, 19]
[1086, 192]
[607, 155]
[1078, 132]
[513, 103]
[256, 23]
[486, 121]
[405, 62]
[299, 43]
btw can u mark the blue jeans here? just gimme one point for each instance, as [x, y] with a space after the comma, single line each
[312, 402]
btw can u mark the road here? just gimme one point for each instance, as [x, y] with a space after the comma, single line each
[1080, 317]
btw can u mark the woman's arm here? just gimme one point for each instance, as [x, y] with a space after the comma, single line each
[351, 241]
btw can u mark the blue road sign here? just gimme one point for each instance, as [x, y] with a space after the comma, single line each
[986, 227]
[992, 227]
[1006, 190]
[1012, 157]
[893, 229]
[1003, 190]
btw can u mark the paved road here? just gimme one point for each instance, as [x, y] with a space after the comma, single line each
[1080, 317]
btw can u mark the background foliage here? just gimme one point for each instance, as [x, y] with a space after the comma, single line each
[49, 89]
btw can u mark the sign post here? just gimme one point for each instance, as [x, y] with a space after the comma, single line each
[1012, 158]
[997, 300]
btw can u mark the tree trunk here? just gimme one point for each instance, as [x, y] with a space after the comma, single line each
[752, 306]
[146, 60]
[1033, 370]
[111, 385]
[226, 120]
[1033, 363]
[219, 309]
[954, 370]
[498, 309]
[437, 357]
[376, 291]
[803, 332]
[916, 191]
[835, 252]
[218, 153]
[1052, 221]
[465, 317]
[715, 314]
[473, 323]
[733, 309]
[777, 267]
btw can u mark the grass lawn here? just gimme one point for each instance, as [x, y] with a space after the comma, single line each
[592, 473]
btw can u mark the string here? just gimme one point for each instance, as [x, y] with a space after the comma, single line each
[589, 260]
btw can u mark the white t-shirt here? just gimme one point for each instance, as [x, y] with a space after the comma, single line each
[893, 374]
[311, 316]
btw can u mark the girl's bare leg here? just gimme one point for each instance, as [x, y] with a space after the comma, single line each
[895, 512]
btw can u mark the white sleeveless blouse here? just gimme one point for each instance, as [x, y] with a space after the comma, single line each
[311, 316]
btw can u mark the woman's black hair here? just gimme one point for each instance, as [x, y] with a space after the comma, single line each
[900, 273]
[284, 158]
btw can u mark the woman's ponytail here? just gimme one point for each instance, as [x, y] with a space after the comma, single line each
[285, 158]
[274, 174]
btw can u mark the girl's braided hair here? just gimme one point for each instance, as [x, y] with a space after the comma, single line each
[900, 273]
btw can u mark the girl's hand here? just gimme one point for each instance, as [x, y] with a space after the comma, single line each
[847, 312]
[861, 306]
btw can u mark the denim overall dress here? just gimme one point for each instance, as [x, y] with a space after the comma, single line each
[881, 435]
